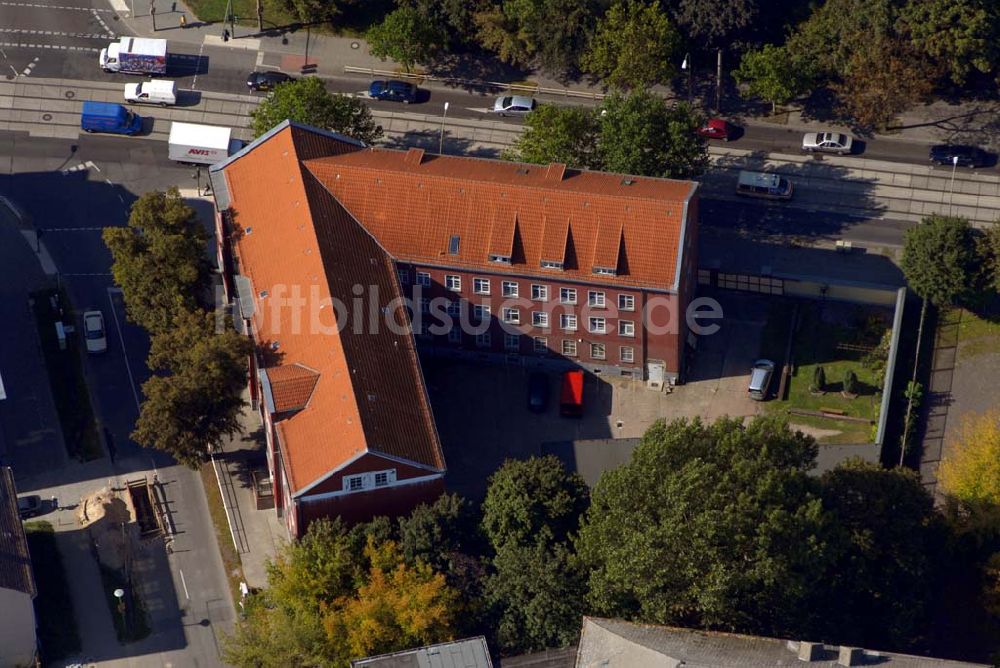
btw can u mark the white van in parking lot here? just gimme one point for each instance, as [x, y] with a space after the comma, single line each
[154, 91]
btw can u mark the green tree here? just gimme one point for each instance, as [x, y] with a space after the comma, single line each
[308, 11]
[308, 101]
[159, 259]
[190, 409]
[710, 525]
[850, 382]
[715, 22]
[961, 35]
[940, 260]
[640, 135]
[525, 496]
[406, 36]
[557, 134]
[772, 74]
[989, 253]
[633, 46]
[819, 379]
[453, 19]
[837, 30]
[879, 587]
[551, 33]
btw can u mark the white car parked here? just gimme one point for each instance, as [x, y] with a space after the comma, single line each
[827, 142]
[93, 332]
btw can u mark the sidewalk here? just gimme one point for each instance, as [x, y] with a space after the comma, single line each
[330, 54]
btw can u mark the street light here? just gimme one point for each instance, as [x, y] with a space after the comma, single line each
[441, 136]
[120, 595]
[688, 65]
[951, 188]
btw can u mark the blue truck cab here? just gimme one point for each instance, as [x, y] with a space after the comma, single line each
[109, 117]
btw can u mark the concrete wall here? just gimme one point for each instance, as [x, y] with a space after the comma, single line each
[839, 292]
[17, 629]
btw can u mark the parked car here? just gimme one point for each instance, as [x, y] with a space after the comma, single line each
[538, 392]
[760, 379]
[93, 332]
[514, 105]
[393, 91]
[571, 395]
[827, 142]
[716, 128]
[968, 156]
[29, 506]
[264, 81]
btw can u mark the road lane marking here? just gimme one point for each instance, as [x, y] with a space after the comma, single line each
[121, 339]
[56, 47]
[55, 33]
[184, 582]
[39, 5]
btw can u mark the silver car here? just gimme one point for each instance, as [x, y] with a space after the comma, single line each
[827, 142]
[93, 332]
[514, 105]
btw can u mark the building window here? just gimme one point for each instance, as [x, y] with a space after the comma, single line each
[404, 276]
[595, 298]
[425, 305]
[627, 353]
[512, 342]
[568, 322]
[605, 271]
[512, 316]
[567, 295]
[598, 326]
[501, 259]
[454, 308]
[423, 279]
[540, 293]
[455, 335]
[597, 351]
[569, 347]
[510, 288]
[539, 318]
[355, 483]
[551, 264]
[626, 328]
[369, 480]
[483, 340]
[626, 303]
[453, 282]
[481, 311]
[541, 344]
[481, 286]
[382, 479]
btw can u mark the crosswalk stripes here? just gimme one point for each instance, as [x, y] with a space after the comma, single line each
[81, 167]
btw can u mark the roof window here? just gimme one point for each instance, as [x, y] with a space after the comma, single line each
[454, 244]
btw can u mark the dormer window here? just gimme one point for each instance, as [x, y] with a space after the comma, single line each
[552, 264]
[454, 244]
[604, 271]
[501, 259]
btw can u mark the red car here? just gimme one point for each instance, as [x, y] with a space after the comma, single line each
[716, 128]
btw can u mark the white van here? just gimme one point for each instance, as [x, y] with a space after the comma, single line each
[763, 184]
[154, 91]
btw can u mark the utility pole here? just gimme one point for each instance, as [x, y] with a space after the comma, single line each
[718, 82]
[152, 14]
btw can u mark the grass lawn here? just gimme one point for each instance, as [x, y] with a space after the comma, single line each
[58, 636]
[977, 335]
[69, 386]
[230, 558]
[353, 20]
[815, 344]
[137, 626]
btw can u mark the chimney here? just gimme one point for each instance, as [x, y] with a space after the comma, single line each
[850, 656]
[555, 171]
[810, 651]
[414, 156]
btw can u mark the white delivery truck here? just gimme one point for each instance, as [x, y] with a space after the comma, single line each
[201, 144]
[135, 55]
[154, 91]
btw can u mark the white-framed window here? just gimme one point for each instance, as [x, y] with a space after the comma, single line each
[512, 316]
[569, 347]
[626, 328]
[483, 340]
[567, 295]
[423, 279]
[404, 276]
[540, 344]
[627, 353]
[454, 308]
[512, 342]
[567, 321]
[501, 259]
[598, 326]
[595, 298]
[626, 303]
[481, 286]
[455, 335]
[510, 288]
[453, 282]
[540, 293]
[369, 480]
[551, 264]
[597, 351]
[481, 311]
[425, 305]
[539, 319]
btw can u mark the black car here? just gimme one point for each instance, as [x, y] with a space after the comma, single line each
[266, 80]
[967, 156]
[393, 91]
[538, 392]
[29, 506]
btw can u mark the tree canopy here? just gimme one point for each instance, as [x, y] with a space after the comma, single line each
[970, 471]
[308, 101]
[406, 36]
[633, 46]
[941, 260]
[547, 32]
[772, 74]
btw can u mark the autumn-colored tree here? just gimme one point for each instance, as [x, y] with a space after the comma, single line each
[970, 471]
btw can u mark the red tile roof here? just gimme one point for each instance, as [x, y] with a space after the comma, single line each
[291, 386]
[415, 204]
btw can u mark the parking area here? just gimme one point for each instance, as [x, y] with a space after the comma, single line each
[482, 409]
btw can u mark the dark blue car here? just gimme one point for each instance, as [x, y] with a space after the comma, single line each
[393, 91]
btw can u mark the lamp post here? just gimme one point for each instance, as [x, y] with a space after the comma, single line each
[951, 187]
[120, 595]
[441, 135]
[687, 66]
